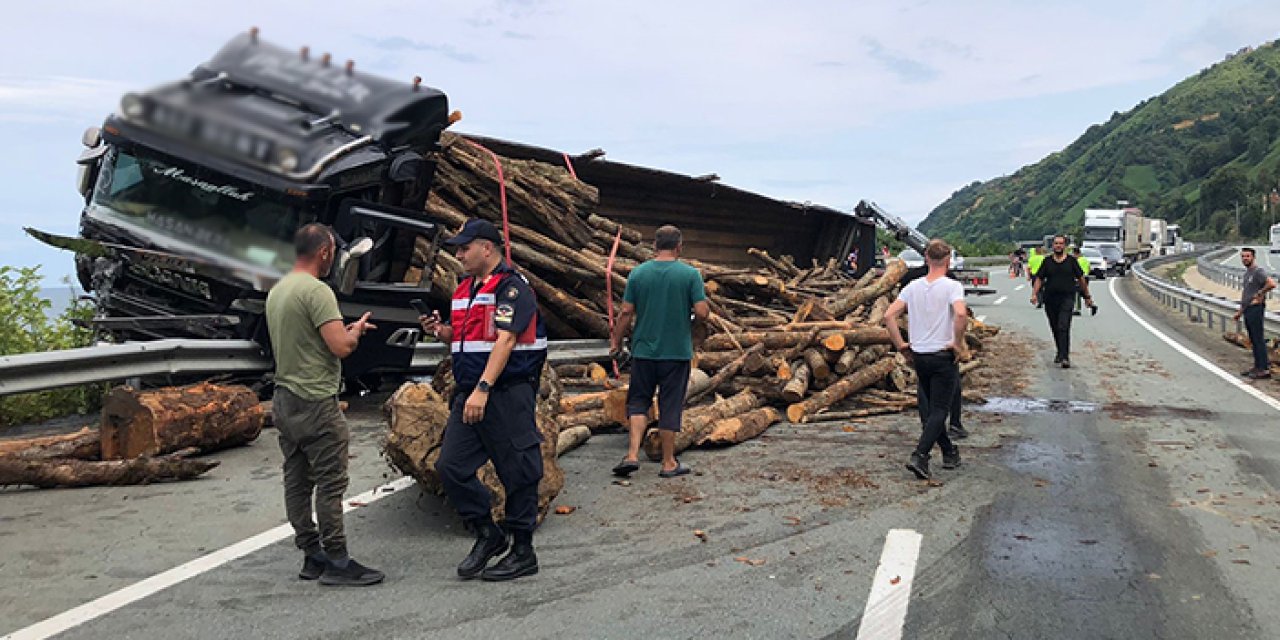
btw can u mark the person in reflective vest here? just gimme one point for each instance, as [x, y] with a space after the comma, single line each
[498, 346]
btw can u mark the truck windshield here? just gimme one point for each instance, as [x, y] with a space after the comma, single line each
[1101, 234]
[196, 209]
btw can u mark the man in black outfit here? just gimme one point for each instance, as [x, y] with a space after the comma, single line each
[1056, 282]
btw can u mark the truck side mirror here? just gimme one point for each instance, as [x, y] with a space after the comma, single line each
[346, 268]
[91, 138]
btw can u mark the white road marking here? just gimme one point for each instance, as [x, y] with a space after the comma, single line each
[886, 610]
[1000, 299]
[161, 581]
[1020, 287]
[1195, 357]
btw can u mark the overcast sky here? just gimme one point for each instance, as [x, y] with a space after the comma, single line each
[830, 102]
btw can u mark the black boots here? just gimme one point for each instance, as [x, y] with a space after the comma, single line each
[491, 540]
[520, 562]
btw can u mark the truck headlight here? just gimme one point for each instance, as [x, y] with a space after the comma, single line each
[131, 106]
[286, 159]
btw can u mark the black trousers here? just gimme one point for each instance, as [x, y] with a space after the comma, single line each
[1253, 316]
[956, 400]
[937, 378]
[508, 435]
[1058, 306]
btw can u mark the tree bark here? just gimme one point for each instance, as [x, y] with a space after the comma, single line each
[725, 373]
[841, 390]
[154, 422]
[817, 363]
[571, 438]
[841, 340]
[66, 472]
[741, 428]
[84, 444]
[798, 384]
[697, 422]
[892, 274]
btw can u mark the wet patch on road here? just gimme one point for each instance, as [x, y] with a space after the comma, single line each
[1120, 410]
[1023, 406]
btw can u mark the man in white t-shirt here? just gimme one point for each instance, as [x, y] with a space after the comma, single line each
[936, 321]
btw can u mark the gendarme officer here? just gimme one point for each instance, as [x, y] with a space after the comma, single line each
[499, 345]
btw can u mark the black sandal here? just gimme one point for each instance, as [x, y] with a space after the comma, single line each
[626, 468]
[680, 470]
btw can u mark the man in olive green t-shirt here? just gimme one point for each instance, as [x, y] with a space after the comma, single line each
[660, 296]
[309, 341]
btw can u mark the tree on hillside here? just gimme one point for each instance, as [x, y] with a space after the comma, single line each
[1224, 188]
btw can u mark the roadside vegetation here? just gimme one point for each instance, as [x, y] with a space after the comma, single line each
[1205, 155]
[26, 326]
[1176, 271]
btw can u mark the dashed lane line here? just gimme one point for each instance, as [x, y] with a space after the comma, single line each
[1193, 356]
[1000, 299]
[886, 610]
[161, 581]
[1020, 287]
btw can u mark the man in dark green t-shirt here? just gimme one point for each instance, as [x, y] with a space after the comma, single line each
[661, 294]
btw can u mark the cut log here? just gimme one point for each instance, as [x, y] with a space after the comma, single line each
[847, 386]
[418, 416]
[817, 362]
[64, 472]
[841, 340]
[615, 406]
[767, 389]
[835, 416]
[847, 361]
[797, 386]
[571, 438]
[583, 402]
[84, 444]
[770, 340]
[892, 274]
[741, 428]
[697, 422]
[593, 419]
[777, 266]
[207, 416]
[725, 373]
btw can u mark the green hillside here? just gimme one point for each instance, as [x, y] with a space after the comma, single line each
[1188, 156]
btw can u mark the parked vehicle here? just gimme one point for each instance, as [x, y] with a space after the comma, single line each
[912, 258]
[1115, 259]
[1123, 229]
[1097, 262]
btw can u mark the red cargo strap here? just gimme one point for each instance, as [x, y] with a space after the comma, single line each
[502, 197]
[569, 163]
[608, 284]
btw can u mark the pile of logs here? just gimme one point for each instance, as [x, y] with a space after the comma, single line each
[804, 343]
[143, 437]
[1242, 340]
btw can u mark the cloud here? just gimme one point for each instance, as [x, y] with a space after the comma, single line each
[516, 35]
[907, 70]
[34, 99]
[398, 43]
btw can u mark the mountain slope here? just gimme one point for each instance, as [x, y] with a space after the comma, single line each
[1187, 155]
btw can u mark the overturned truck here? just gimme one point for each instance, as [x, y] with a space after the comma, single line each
[194, 189]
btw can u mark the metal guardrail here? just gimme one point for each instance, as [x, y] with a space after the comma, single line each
[1199, 306]
[52, 369]
[1210, 266]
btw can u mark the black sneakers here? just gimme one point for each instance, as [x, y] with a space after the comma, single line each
[956, 432]
[312, 567]
[522, 561]
[951, 460]
[1057, 359]
[919, 465]
[352, 575]
[1066, 364]
[491, 541]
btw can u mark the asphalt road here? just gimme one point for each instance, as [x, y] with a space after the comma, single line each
[1146, 509]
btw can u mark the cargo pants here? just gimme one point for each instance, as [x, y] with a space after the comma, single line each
[314, 439]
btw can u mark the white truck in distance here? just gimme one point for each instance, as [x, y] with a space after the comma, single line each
[1173, 240]
[1154, 241]
[1117, 229]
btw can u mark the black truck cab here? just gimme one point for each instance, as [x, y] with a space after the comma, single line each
[194, 190]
